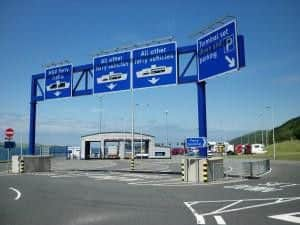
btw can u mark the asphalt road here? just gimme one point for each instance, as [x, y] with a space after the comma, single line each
[120, 198]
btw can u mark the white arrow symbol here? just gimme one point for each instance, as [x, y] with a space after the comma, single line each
[231, 61]
[153, 80]
[111, 86]
[57, 93]
[289, 217]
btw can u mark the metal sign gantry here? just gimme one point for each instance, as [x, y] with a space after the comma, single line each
[54, 79]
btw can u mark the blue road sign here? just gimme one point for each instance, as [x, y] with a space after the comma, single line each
[155, 66]
[199, 142]
[58, 82]
[218, 51]
[112, 72]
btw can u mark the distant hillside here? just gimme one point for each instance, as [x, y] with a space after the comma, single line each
[290, 130]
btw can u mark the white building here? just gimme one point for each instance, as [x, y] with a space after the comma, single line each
[118, 145]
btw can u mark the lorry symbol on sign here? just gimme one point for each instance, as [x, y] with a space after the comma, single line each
[154, 71]
[111, 77]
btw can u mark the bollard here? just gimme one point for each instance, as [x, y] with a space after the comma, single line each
[182, 170]
[22, 166]
[205, 165]
[132, 164]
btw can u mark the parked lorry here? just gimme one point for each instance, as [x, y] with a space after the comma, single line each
[258, 149]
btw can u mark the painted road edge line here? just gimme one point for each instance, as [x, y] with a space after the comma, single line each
[17, 191]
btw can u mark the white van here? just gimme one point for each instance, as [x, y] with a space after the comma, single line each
[258, 149]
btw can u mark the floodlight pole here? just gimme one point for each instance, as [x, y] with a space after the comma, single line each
[202, 123]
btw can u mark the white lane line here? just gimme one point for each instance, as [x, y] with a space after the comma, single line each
[220, 220]
[228, 206]
[288, 185]
[266, 173]
[17, 191]
[199, 218]
[183, 184]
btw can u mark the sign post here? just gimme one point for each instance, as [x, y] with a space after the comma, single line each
[9, 133]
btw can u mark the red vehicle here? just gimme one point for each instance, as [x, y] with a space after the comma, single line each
[247, 149]
[239, 149]
[178, 151]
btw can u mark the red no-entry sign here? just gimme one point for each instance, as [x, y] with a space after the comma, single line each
[9, 133]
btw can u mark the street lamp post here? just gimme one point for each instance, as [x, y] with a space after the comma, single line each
[132, 123]
[274, 144]
[167, 138]
[262, 130]
[100, 123]
[141, 105]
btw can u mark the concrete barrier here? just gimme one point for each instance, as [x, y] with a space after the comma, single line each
[36, 163]
[215, 168]
[246, 167]
[198, 170]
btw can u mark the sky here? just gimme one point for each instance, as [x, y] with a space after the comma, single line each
[35, 33]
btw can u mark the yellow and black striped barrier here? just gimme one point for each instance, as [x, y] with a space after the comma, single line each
[204, 171]
[22, 166]
[132, 163]
[182, 170]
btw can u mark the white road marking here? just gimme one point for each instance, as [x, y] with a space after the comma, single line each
[229, 169]
[227, 209]
[273, 201]
[199, 218]
[289, 217]
[288, 185]
[220, 220]
[17, 191]
[264, 174]
[228, 206]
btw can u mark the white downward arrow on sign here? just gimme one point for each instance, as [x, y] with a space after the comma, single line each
[153, 80]
[57, 93]
[288, 217]
[111, 86]
[231, 61]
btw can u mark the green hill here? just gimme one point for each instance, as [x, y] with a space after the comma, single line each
[286, 150]
[288, 131]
